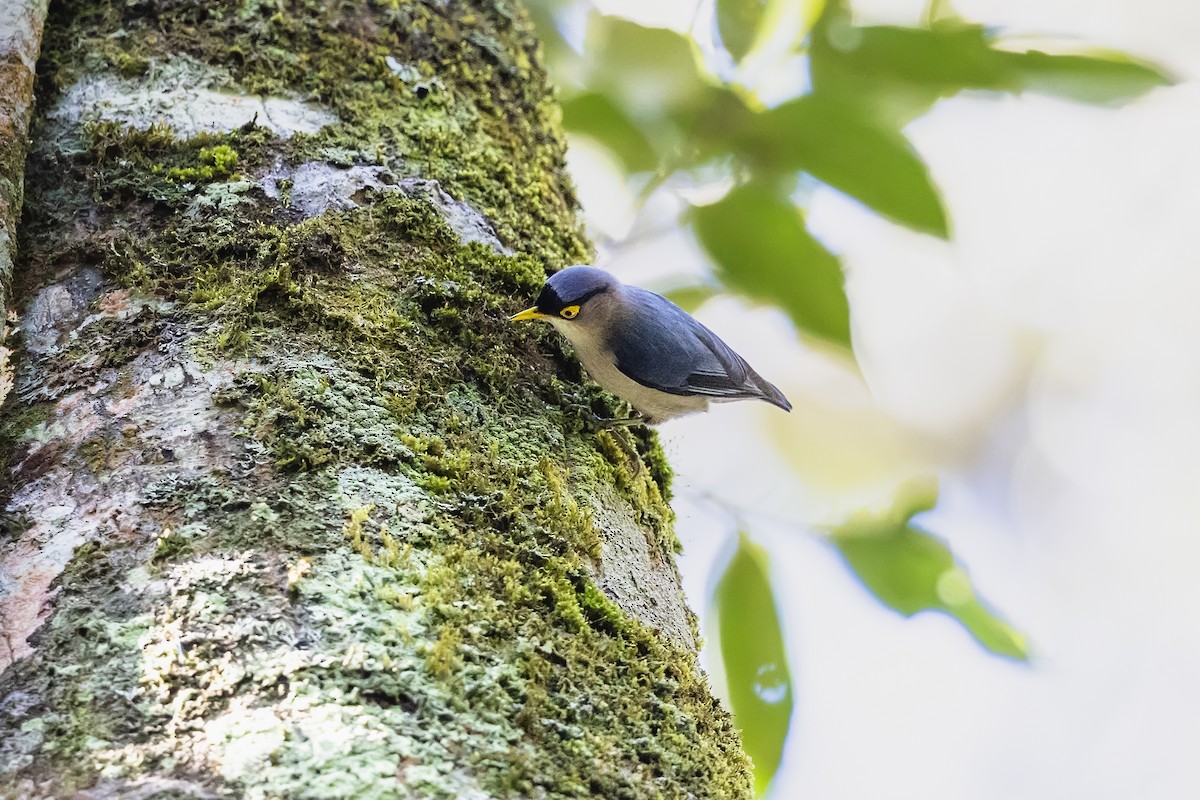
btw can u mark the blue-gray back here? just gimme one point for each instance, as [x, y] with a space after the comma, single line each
[661, 346]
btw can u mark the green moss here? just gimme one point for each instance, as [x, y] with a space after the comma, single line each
[602, 612]
[444, 657]
[562, 509]
[171, 545]
[215, 163]
[85, 703]
[469, 108]
[95, 452]
[20, 423]
[128, 66]
[120, 164]
[105, 343]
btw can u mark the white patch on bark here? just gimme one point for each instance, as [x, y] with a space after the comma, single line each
[402, 502]
[635, 577]
[144, 788]
[405, 72]
[55, 310]
[463, 219]
[411, 75]
[21, 30]
[317, 187]
[186, 96]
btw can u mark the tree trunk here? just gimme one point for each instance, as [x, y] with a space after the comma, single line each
[20, 37]
[289, 510]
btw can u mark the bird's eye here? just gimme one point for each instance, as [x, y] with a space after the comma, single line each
[570, 312]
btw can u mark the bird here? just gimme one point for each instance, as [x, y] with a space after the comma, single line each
[645, 349]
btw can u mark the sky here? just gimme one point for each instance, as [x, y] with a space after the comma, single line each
[1045, 364]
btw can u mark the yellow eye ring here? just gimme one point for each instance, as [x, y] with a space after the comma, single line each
[570, 312]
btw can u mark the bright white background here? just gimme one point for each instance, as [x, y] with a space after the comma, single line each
[1045, 363]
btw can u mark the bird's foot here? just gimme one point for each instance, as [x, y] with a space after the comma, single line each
[608, 423]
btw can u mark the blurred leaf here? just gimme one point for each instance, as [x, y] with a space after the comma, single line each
[841, 146]
[900, 72]
[654, 71]
[595, 115]
[558, 53]
[755, 659]
[813, 10]
[691, 297]
[712, 123]
[743, 26]
[759, 243]
[948, 56]
[1099, 78]
[912, 571]
[655, 78]
[738, 24]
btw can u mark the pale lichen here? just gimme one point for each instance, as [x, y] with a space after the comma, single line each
[186, 96]
[314, 188]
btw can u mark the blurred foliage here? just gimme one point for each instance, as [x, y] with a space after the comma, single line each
[899, 73]
[664, 104]
[739, 25]
[670, 108]
[692, 296]
[758, 227]
[842, 146]
[911, 571]
[755, 659]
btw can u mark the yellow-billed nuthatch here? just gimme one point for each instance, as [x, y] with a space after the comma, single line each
[645, 349]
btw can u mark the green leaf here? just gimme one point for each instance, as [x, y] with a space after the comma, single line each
[1099, 78]
[559, 56]
[656, 80]
[755, 659]
[911, 571]
[692, 296]
[841, 146]
[948, 57]
[654, 71]
[899, 73]
[759, 243]
[738, 24]
[596, 115]
[743, 26]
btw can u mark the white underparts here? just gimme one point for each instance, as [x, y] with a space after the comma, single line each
[597, 360]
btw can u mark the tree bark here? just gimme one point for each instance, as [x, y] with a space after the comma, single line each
[21, 24]
[289, 510]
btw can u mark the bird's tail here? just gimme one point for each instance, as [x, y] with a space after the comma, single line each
[769, 392]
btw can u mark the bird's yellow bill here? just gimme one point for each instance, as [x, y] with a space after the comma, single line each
[529, 313]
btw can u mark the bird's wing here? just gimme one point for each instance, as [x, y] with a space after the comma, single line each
[672, 352]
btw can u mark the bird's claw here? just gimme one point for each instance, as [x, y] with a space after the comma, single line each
[608, 423]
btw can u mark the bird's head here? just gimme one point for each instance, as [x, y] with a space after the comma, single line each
[568, 295]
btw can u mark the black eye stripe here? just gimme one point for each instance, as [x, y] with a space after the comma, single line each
[550, 303]
[581, 300]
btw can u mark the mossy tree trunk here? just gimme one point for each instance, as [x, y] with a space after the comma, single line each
[21, 23]
[288, 509]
